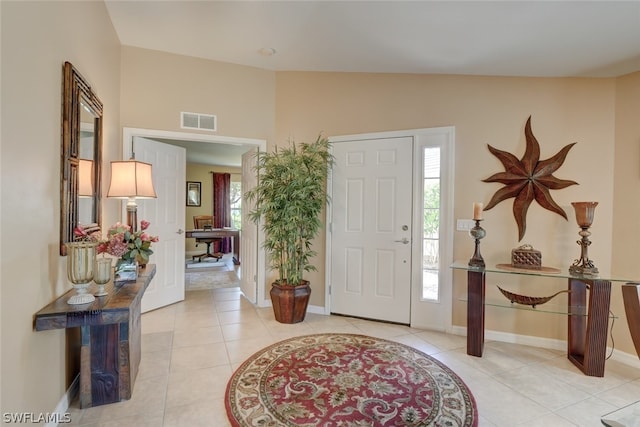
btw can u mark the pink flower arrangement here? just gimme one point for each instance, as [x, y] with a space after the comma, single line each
[121, 242]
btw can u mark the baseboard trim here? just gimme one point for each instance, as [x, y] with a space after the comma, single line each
[316, 309]
[63, 405]
[553, 344]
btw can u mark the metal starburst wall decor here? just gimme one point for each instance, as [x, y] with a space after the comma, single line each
[528, 179]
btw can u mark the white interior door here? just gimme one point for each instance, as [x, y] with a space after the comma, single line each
[249, 233]
[371, 228]
[166, 215]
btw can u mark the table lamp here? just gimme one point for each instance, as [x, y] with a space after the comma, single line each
[131, 180]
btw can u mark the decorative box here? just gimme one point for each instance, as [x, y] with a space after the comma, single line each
[526, 257]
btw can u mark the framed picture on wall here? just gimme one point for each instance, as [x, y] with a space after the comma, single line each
[193, 193]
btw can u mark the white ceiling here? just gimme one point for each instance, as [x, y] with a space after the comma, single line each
[210, 153]
[505, 38]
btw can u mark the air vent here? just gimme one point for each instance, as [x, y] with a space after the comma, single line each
[198, 121]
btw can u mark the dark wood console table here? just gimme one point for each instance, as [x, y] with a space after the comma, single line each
[588, 314]
[219, 232]
[110, 332]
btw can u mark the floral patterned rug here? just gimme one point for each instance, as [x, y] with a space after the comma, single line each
[346, 380]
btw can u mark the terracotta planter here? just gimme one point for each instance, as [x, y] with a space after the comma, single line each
[290, 302]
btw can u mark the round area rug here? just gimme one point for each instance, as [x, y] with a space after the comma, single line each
[346, 380]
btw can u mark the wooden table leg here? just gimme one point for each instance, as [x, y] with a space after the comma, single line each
[631, 298]
[475, 312]
[99, 365]
[588, 336]
[577, 327]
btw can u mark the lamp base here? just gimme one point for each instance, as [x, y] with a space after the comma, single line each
[580, 270]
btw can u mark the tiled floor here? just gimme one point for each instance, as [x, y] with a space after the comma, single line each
[190, 350]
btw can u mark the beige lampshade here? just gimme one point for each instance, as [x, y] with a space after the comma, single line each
[85, 178]
[130, 178]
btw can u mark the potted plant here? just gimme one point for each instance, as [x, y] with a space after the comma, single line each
[289, 199]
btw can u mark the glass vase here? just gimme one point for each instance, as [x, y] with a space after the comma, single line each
[81, 258]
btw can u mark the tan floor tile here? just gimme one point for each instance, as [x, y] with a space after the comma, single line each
[205, 413]
[188, 320]
[197, 336]
[156, 341]
[238, 316]
[241, 304]
[239, 351]
[227, 295]
[243, 331]
[443, 341]
[148, 400]
[586, 413]
[186, 387]
[153, 364]
[162, 320]
[543, 388]
[198, 356]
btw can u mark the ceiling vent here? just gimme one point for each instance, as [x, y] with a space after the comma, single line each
[198, 121]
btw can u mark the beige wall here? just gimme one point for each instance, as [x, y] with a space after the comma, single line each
[626, 227]
[37, 38]
[201, 173]
[484, 110]
[157, 86]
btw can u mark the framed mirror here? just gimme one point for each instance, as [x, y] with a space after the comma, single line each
[81, 156]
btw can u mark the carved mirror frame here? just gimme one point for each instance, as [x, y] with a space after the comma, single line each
[81, 139]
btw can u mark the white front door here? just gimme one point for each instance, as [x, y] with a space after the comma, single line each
[249, 234]
[371, 228]
[166, 215]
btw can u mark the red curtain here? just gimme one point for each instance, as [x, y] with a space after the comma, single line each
[222, 206]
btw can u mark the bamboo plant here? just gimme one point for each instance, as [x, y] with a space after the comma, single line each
[289, 199]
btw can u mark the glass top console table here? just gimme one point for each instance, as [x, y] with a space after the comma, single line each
[588, 313]
[628, 416]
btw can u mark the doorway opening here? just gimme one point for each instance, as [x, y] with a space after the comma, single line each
[203, 148]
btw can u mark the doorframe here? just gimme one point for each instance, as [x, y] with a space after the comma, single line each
[447, 223]
[127, 139]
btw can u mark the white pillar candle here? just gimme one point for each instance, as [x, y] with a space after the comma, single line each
[477, 210]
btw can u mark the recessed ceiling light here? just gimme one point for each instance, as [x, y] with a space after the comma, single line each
[267, 51]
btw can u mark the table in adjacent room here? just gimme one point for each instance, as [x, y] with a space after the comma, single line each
[219, 232]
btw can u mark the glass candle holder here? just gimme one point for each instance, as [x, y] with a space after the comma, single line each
[102, 275]
[584, 217]
[584, 213]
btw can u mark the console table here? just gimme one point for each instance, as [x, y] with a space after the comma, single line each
[110, 333]
[588, 314]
